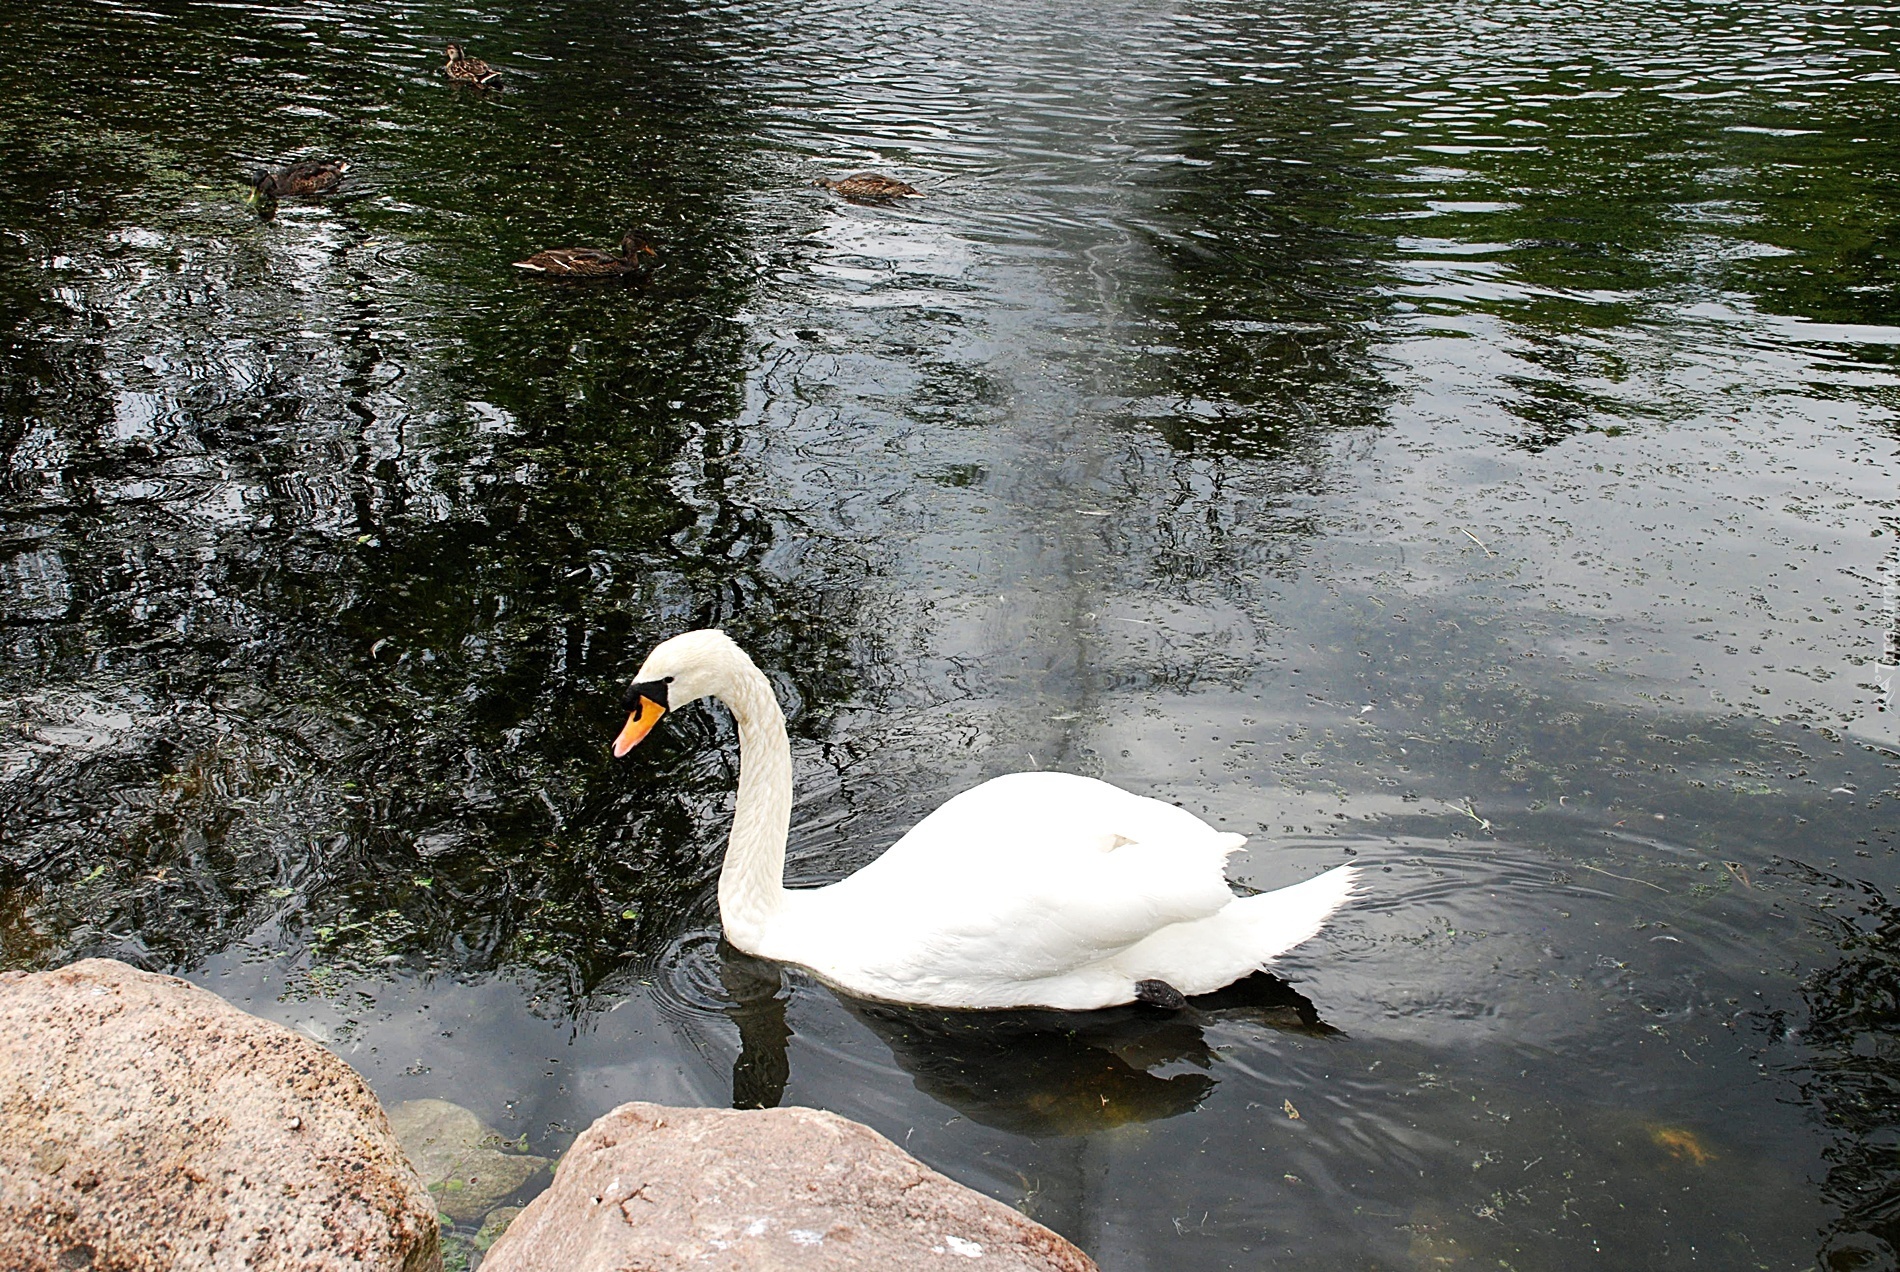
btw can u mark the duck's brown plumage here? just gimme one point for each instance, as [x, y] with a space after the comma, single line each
[636, 257]
[870, 187]
[469, 70]
[312, 176]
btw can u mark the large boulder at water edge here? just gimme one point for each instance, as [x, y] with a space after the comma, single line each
[147, 1124]
[659, 1188]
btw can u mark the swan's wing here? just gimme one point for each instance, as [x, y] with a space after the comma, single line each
[976, 934]
[1023, 878]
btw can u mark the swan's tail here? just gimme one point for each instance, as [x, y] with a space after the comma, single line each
[1201, 956]
[1283, 918]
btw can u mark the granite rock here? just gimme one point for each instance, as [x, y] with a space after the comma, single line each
[147, 1124]
[659, 1188]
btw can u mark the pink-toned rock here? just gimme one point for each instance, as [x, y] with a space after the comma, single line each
[656, 1188]
[147, 1124]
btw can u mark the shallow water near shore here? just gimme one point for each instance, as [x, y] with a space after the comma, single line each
[1459, 440]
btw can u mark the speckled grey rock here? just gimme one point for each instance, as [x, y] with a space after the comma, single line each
[659, 1188]
[147, 1124]
[460, 1157]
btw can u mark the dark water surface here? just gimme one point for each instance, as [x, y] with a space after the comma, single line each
[1460, 438]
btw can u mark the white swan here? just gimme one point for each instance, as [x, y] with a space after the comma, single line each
[1031, 890]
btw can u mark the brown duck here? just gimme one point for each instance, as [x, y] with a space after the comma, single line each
[636, 257]
[469, 70]
[869, 187]
[311, 177]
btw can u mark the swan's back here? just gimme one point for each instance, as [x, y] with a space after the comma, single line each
[1024, 821]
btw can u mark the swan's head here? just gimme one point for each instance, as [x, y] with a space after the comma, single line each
[682, 670]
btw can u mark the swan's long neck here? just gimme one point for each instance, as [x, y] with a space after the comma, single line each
[752, 882]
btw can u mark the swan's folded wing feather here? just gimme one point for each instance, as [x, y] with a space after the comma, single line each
[1043, 917]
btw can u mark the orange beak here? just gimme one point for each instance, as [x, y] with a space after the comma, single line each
[639, 724]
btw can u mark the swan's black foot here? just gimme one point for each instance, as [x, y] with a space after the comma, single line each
[1158, 993]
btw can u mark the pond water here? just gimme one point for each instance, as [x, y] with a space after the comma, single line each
[1462, 439]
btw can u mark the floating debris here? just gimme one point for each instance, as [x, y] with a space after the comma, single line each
[1681, 1144]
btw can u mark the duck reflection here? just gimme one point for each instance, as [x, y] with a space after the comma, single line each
[1033, 1073]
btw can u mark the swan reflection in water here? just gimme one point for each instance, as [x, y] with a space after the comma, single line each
[1032, 1073]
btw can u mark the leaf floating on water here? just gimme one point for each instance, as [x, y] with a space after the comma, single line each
[1681, 1143]
[1287, 1107]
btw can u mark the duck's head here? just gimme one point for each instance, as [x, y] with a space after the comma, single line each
[455, 52]
[684, 669]
[632, 246]
[263, 185]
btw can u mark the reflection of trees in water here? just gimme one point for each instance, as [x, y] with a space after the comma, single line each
[1853, 1078]
[1566, 249]
[357, 534]
[1033, 1073]
[1270, 295]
